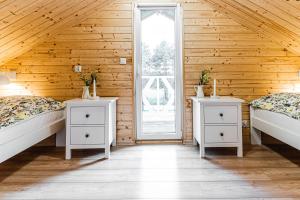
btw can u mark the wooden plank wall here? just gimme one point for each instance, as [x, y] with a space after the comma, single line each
[246, 64]
[96, 43]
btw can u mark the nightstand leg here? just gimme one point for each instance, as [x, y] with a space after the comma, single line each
[240, 151]
[114, 143]
[107, 151]
[202, 151]
[194, 141]
[68, 153]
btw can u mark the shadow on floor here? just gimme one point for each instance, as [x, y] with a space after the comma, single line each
[41, 156]
[286, 151]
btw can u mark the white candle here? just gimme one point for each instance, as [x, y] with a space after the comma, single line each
[215, 87]
[94, 92]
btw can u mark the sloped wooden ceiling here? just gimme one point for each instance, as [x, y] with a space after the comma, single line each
[278, 20]
[23, 24]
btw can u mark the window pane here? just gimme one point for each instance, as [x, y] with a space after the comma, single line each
[158, 70]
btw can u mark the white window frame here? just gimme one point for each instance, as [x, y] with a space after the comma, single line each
[178, 70]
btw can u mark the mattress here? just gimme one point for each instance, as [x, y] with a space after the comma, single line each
[21, 128]
[278, 119]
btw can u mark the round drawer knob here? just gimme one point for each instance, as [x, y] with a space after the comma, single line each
[221, 114]
[87, 115]
[87, 135]
[221, 134]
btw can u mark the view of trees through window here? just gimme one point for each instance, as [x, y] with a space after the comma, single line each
[160, 61]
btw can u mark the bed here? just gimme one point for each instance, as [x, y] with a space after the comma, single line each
[277, 115]
[27, 120]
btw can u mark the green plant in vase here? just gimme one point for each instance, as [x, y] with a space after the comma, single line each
[203, 80]
[204, 77]
[87, 82]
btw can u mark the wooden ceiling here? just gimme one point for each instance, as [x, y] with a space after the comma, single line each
[275, 19]
[23, 24]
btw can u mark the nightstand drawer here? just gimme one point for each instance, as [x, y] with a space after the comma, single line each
[220, 134]
[88, 115]
[220, 114]
[87, 135]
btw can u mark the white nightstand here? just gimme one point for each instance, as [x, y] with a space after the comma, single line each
[217, 123]
[90, 124]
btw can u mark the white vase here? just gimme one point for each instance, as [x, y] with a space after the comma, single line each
[85, 92]
[199, 91]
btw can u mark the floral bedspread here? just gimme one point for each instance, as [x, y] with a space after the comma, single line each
[285, 103]
[14, 109]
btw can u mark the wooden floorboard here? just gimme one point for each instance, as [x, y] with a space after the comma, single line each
[152, 172]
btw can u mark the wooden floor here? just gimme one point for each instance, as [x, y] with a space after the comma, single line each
[152, 172]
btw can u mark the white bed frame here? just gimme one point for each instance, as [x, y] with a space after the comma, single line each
[279, 126]
[29, 139]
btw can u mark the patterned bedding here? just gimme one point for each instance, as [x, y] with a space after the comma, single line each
[285, 103]
[14, 109]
